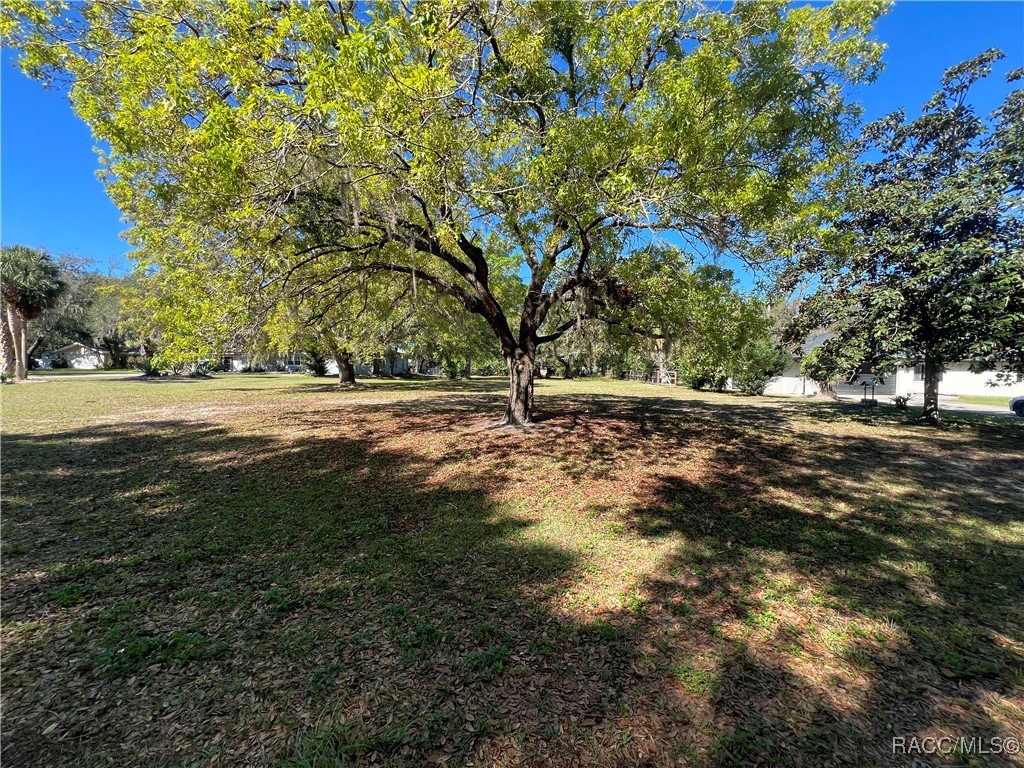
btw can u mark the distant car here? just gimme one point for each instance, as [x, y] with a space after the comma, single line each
[1017, 405]
[295, 368]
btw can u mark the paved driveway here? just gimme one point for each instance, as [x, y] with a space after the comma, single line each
[954, 404]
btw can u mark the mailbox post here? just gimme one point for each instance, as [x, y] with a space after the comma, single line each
[866, 400]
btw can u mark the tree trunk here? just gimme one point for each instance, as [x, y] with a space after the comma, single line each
[826, 391]
[32, 350]
[18, 334]
[346, 370]
[118, 359]
[24, 347]
[469, 364]
[7, 346]
[520, 390]
[566, 369]
[378, 367]
[932, 371]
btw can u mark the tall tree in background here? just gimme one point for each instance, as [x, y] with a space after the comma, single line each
[691, 318]
[362, 320]
[30, 282]
[439, 140]
[682, 315]
[107, 319]
[445, 333]
[928, 268]
[65, 320]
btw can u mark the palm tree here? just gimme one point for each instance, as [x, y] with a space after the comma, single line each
[29, 283]
[7, 363]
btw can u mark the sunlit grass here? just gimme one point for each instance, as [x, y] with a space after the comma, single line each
[258, 569]
[1001, 400]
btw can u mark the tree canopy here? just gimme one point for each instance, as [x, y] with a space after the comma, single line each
[927, 267]
[453, 143]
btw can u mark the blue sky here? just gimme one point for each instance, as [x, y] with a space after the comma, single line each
[50, 196]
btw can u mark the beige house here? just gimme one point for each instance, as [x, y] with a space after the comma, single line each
[78, 355]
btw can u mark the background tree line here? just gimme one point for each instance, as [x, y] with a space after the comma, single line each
[348, 178]
[50, 302]
[275, 157]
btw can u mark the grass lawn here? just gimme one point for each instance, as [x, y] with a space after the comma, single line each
[1003, 400]
[269, 571]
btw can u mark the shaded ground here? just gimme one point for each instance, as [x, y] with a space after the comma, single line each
[958, 406]
[267, 571]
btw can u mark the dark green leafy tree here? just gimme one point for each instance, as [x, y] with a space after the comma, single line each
[89, 310]
[64, 321]
[316, 361]
[928, 266]
[759, 361]
[361, 321]
[460, 342]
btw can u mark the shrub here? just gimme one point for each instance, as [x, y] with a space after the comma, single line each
[316, 363]
[147, 366]
[900, 401]
[60, 362]
[759, 363]
[708, 380]
[201, 369]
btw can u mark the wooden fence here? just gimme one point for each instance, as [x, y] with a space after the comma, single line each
[663, 377]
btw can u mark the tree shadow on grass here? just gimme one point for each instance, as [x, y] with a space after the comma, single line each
[370, 584]
[176, 593]
[485, 384]
[887, 567]
[856, 588]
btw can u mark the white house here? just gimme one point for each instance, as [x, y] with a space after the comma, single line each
[234, 360]
[78, 355]
[401, 367]
[957, 379]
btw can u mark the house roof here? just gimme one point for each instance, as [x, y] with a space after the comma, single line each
[70, 346]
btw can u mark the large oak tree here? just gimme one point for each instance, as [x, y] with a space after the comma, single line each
[441, 141]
